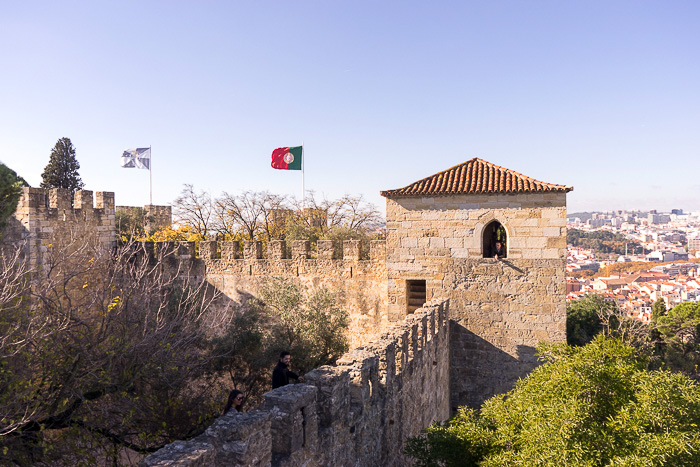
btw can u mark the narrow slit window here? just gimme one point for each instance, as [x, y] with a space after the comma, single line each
[415, 295]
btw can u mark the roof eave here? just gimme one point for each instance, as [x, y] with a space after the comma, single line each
[393, 194]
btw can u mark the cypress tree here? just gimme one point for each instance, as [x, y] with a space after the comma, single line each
[658, 310]
[62, 169]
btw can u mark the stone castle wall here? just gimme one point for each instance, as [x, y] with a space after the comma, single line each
[239, 273]
[500, 309]
[238, 270]
[42, 215]
[359, 412]
[157, 217]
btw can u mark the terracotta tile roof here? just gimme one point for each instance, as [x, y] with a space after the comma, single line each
[476, 176]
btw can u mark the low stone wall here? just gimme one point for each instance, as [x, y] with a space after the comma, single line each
[357, 413]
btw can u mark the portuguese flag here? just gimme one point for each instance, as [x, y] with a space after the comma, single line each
[287, 158]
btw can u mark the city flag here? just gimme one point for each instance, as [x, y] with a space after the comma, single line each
[139, 158]
[287, 158]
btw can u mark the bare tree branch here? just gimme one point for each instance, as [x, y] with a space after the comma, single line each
[194, 209]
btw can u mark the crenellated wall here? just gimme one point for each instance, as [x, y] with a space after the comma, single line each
[42, 214]
[239, 270]
[357, 413]
[423, 366]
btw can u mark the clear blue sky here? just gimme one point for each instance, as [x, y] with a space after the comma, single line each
[601, 95]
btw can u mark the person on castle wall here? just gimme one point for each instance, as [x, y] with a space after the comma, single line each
[235, 400]
[282, 373]
[498, 251]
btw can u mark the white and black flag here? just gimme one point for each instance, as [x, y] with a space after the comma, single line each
[139, 158]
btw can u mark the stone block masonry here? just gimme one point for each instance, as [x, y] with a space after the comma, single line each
[42, 215]
[500, 309]
[240, 269]
[357, 413]
[157, 217]
[360, 411]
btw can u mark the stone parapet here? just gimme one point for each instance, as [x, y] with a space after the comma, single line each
[276, 249]
[300, 249]
[186, 249]
[351, 250]
[236, 276]
[363, 282]
[45, 214]
[229, 250]
[325, 249]
[207, 250]
[235, 439]
[39, 200]
[252, 249]
[359, 412]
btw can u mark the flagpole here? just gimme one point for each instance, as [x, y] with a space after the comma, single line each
[303, 190]
[150, 176]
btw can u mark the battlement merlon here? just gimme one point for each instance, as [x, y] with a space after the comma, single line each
[60, 199]
[276, 250]
[32, 198]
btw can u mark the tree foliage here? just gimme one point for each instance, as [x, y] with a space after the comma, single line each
[350, 212]
[265, 216]
[194, 210]
[670, 340]
[132, 224]
[251, 215]
[680, 331]
[100, 350]
[10, 192]
[601, 241]
[583, 318]
[105, 352]
[595, 405]
[62, 169]
[311, 324]
[658, 310]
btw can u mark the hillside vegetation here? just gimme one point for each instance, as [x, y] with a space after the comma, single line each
[602, 242]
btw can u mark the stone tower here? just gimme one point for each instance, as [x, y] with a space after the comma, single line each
[441, 232]
[44, 215]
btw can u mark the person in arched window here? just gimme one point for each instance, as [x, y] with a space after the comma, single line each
[498, 251]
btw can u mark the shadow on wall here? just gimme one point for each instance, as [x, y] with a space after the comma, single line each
[358, 412]
[512, 266]
[480, 370]
[15, 232]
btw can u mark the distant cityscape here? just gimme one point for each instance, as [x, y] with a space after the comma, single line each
[669, 244]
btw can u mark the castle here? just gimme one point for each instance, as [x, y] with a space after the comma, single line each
[438, 322]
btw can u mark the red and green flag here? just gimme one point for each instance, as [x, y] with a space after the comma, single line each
[287, 158]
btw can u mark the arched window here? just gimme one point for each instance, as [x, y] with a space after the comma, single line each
[494, 234]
